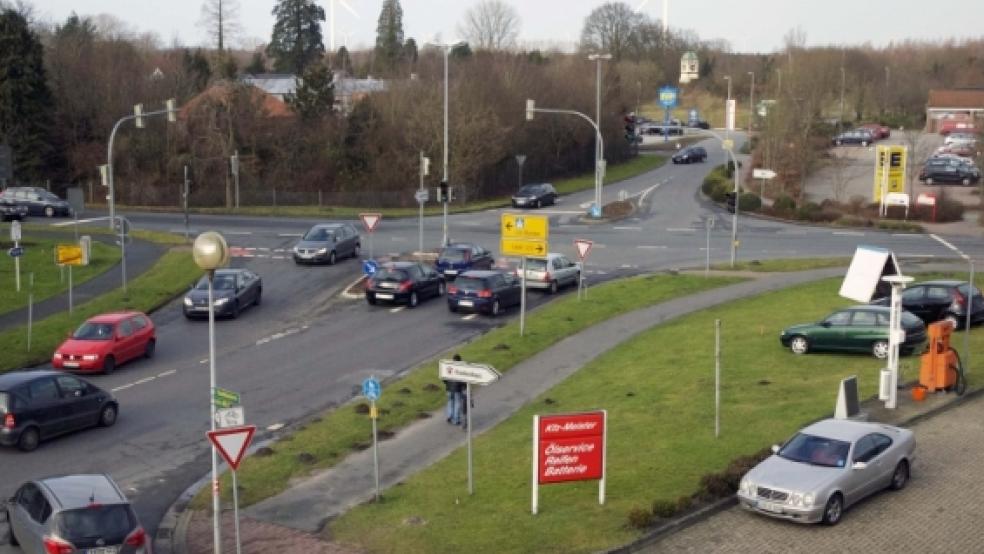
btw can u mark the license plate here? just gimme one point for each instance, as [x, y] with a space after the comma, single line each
[71, 364]
[384, 295]
[102, 550]
[466, 303]
[770, 507]
[450, 271]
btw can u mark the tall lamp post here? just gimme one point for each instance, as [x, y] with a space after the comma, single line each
[599, 178]
[520, 159]
[444, 179]
[727, 127]
[210, 253]
[751, 104]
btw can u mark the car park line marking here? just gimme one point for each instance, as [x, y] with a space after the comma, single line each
[121, 387]
[168, 372]
[849, 233]
[205, 361]
[628, 228]
[469, 317]
[275, 427]
[290, 235]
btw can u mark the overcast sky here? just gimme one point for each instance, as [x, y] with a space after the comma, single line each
[749, 25]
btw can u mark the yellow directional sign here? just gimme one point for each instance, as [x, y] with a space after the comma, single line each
[68, 254]
[523, 247]
[525, 227]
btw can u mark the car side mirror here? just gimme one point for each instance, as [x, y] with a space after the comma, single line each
[825, 324]
[859, 465]
[775, 448]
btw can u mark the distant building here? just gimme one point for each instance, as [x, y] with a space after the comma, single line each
[348, 90]
[221, 91]
[964, 104]
[278, 85]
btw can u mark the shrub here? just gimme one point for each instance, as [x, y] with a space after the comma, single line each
[684, 503]
[749, 202]
[809, 212]
[784, 204]
[949, 210]
[664, 509]
[716, 485]
[640, 518]
[712, 180]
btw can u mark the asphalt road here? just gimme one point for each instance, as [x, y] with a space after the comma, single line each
[306, 348]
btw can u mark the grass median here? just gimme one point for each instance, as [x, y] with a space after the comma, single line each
[326, 440]
[49, 278]
[658, 389]
[170, 276]
[788, 264]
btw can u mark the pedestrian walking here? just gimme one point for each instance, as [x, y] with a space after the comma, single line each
[454, 390]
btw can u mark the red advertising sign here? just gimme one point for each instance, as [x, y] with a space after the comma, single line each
[570, 447]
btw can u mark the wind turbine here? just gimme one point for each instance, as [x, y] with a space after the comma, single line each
[331, 12]
[666, 12]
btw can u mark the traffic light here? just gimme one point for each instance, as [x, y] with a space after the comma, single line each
[630, 134]
[442, 192]
[731, 199]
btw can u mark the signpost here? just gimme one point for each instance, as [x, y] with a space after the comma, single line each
[668, 97]
[569, 447]
[524, 235]
[225, 398]
[763, 175]
[370, 267]
[709, 223]
[232, 443]
[16, 252]
[370, 221]
[470, 374]
[890, 168]
[371, 389]
[583, 247]
[422, 196]
[70, 255]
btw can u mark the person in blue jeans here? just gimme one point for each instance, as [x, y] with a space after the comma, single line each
[455, 391]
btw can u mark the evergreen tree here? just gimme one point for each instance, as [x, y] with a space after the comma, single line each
[197, 68]
[389, 34]
[26, 104]
[410, 50]
[256, 65]
[343, 61]
[314, 96]
[296, 41]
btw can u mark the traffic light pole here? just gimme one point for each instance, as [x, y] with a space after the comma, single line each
[601, 145]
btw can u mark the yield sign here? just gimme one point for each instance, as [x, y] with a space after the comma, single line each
[371, 221]
[232, 443]
[583, 248]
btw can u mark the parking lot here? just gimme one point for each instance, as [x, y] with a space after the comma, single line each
[937, 512]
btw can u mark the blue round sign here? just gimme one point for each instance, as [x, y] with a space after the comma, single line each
[370, 267]
[371, 389]
[595, 211]
[668, 96]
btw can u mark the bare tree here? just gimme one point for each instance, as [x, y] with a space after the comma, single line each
[490, 25]
[610, 28]
[220, 20]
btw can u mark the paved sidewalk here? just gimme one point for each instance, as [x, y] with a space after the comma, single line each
[310, 502]
[140, 257]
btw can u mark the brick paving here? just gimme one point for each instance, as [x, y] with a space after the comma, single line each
[257, 537]
[937, 512]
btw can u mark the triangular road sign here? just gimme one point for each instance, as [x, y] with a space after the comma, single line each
[583, 247]
[232, 443]
[371, 220]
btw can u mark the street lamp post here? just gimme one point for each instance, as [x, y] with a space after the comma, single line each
[447, 51]
[727, 106]
[751, 104]
[211, 252]
[597, 58]
[520, 160]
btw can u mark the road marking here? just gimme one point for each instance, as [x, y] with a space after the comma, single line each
[849, 233]
[629, 266]
[250, 248]
[275, 427]
[559, 212]
[472, 223]
[281, 250]
[280, 335]
[290, 235]
[628, 228]
[74, 221]
[279, 257]
[469, 317]
[597, 272]
[917, 255]
[239, 232]
[906, 235]
[352, 295]
[651, 247]
[121, 387]
[396, 310]
[680, 230]
[645, 193]
[792, 232]
[205, 361]
[168, 372]
[145, 380]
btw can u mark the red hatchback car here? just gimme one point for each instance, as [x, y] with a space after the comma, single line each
[106, 341]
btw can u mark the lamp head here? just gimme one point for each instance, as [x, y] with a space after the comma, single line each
[210, 251]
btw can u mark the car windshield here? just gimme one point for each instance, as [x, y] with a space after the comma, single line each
[536, 264]
[387, 274]
[455, 254]
[528, 190]
[94, 331]
[814, 450]
[469, 283]
[219, 282]
[910, 320]
[318, 234]
[110, 522]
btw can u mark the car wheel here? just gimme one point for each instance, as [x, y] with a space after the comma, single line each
[149, 348]
[864, 143]
[109, 365]
[29, 439]
[259, 297]
[495, 310]
[107, 417]
[799, 345]
[413, 301]
[834, 509]
[553, 287]
[371, 299]
[357, 251]
[331, 258]
[440, 289]
[235, 309]
[49, 211]
[879, 349]
[901, 476]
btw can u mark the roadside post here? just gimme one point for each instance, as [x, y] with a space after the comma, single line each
[524, 235]
[717, 378]
[421, 196]
[184, 201]
[709, 223]
[69, 255]
[667, 98]
[762, 175]
[234, 165]
[470, 374]
[583, 247]
[569, 447]
[370, 221]
[30, 309]
[16, 252]
[232, 442]
[371, 389]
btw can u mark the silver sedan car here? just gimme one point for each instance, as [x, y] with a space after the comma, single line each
[551, 272]
[827, 467]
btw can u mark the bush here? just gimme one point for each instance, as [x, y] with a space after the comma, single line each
[949, 210]
[809, 212]
[716, 485]
[639, 518]
[712, 180]
[664, 509]
[784, 204]
[749, 202]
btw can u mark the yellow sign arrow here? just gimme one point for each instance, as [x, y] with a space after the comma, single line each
[69, 254]
[521, 247]
[525, 227]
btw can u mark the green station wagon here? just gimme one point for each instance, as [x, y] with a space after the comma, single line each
[854, 329]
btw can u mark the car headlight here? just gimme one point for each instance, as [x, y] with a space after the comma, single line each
[221, 301]
[747, 487]
[90, 357]
[58, 355]
[808, 499]
[322, 251]
[187, 301]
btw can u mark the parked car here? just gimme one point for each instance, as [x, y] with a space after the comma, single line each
[942, 300]
[534, 196]
[326, 243]
[698, 124]
[855, 329]
[37, 405]
[877, 130]
[962, 150]
[10, 210]
[484, 291]
[86, 514]
[551, 272]
[459, 257]
[660, 129]
[232, 291]
[404, 282]
[827, 467]
[949, 172]
[951, 125]
[960, 138]
[857, 136]
[38, 201]
[107, 341]
[690, 155]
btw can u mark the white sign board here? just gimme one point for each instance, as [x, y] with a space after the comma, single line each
[926, 199]
[730, 114]
[370, 220]
[763, 173]
[897, 199]
[15, 231]
[864, 275]
[476, 374]
[230, 417]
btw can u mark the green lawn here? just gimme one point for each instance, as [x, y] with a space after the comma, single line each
[658, 389]
[337, 432]
[49, 279]
[170, 276]
[618, 172]
[789, 264]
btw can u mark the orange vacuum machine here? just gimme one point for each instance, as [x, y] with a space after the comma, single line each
[941, 367]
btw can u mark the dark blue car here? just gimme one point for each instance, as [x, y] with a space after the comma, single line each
[488, 292]
[460, 257]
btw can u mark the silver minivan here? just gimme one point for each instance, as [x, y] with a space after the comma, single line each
[75, 513]
[551, 272]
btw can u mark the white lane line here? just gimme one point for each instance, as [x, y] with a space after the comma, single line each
[792, 232]
[559, 212]
[652, 247]
[680, 230]
[121, 387]
[73, 222]
[629, 266]
[145, 380]
[645, 193]
[290, 235]
[472, 223]
[396, 310]
[628, 228]
[275, 427]
[279, 257]
[205, 361]
[849, 233]
[250, 248]
[280, 335]
[239, 232]
[906, 235]
[168, 372]
[469, 317]
[352, 295]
